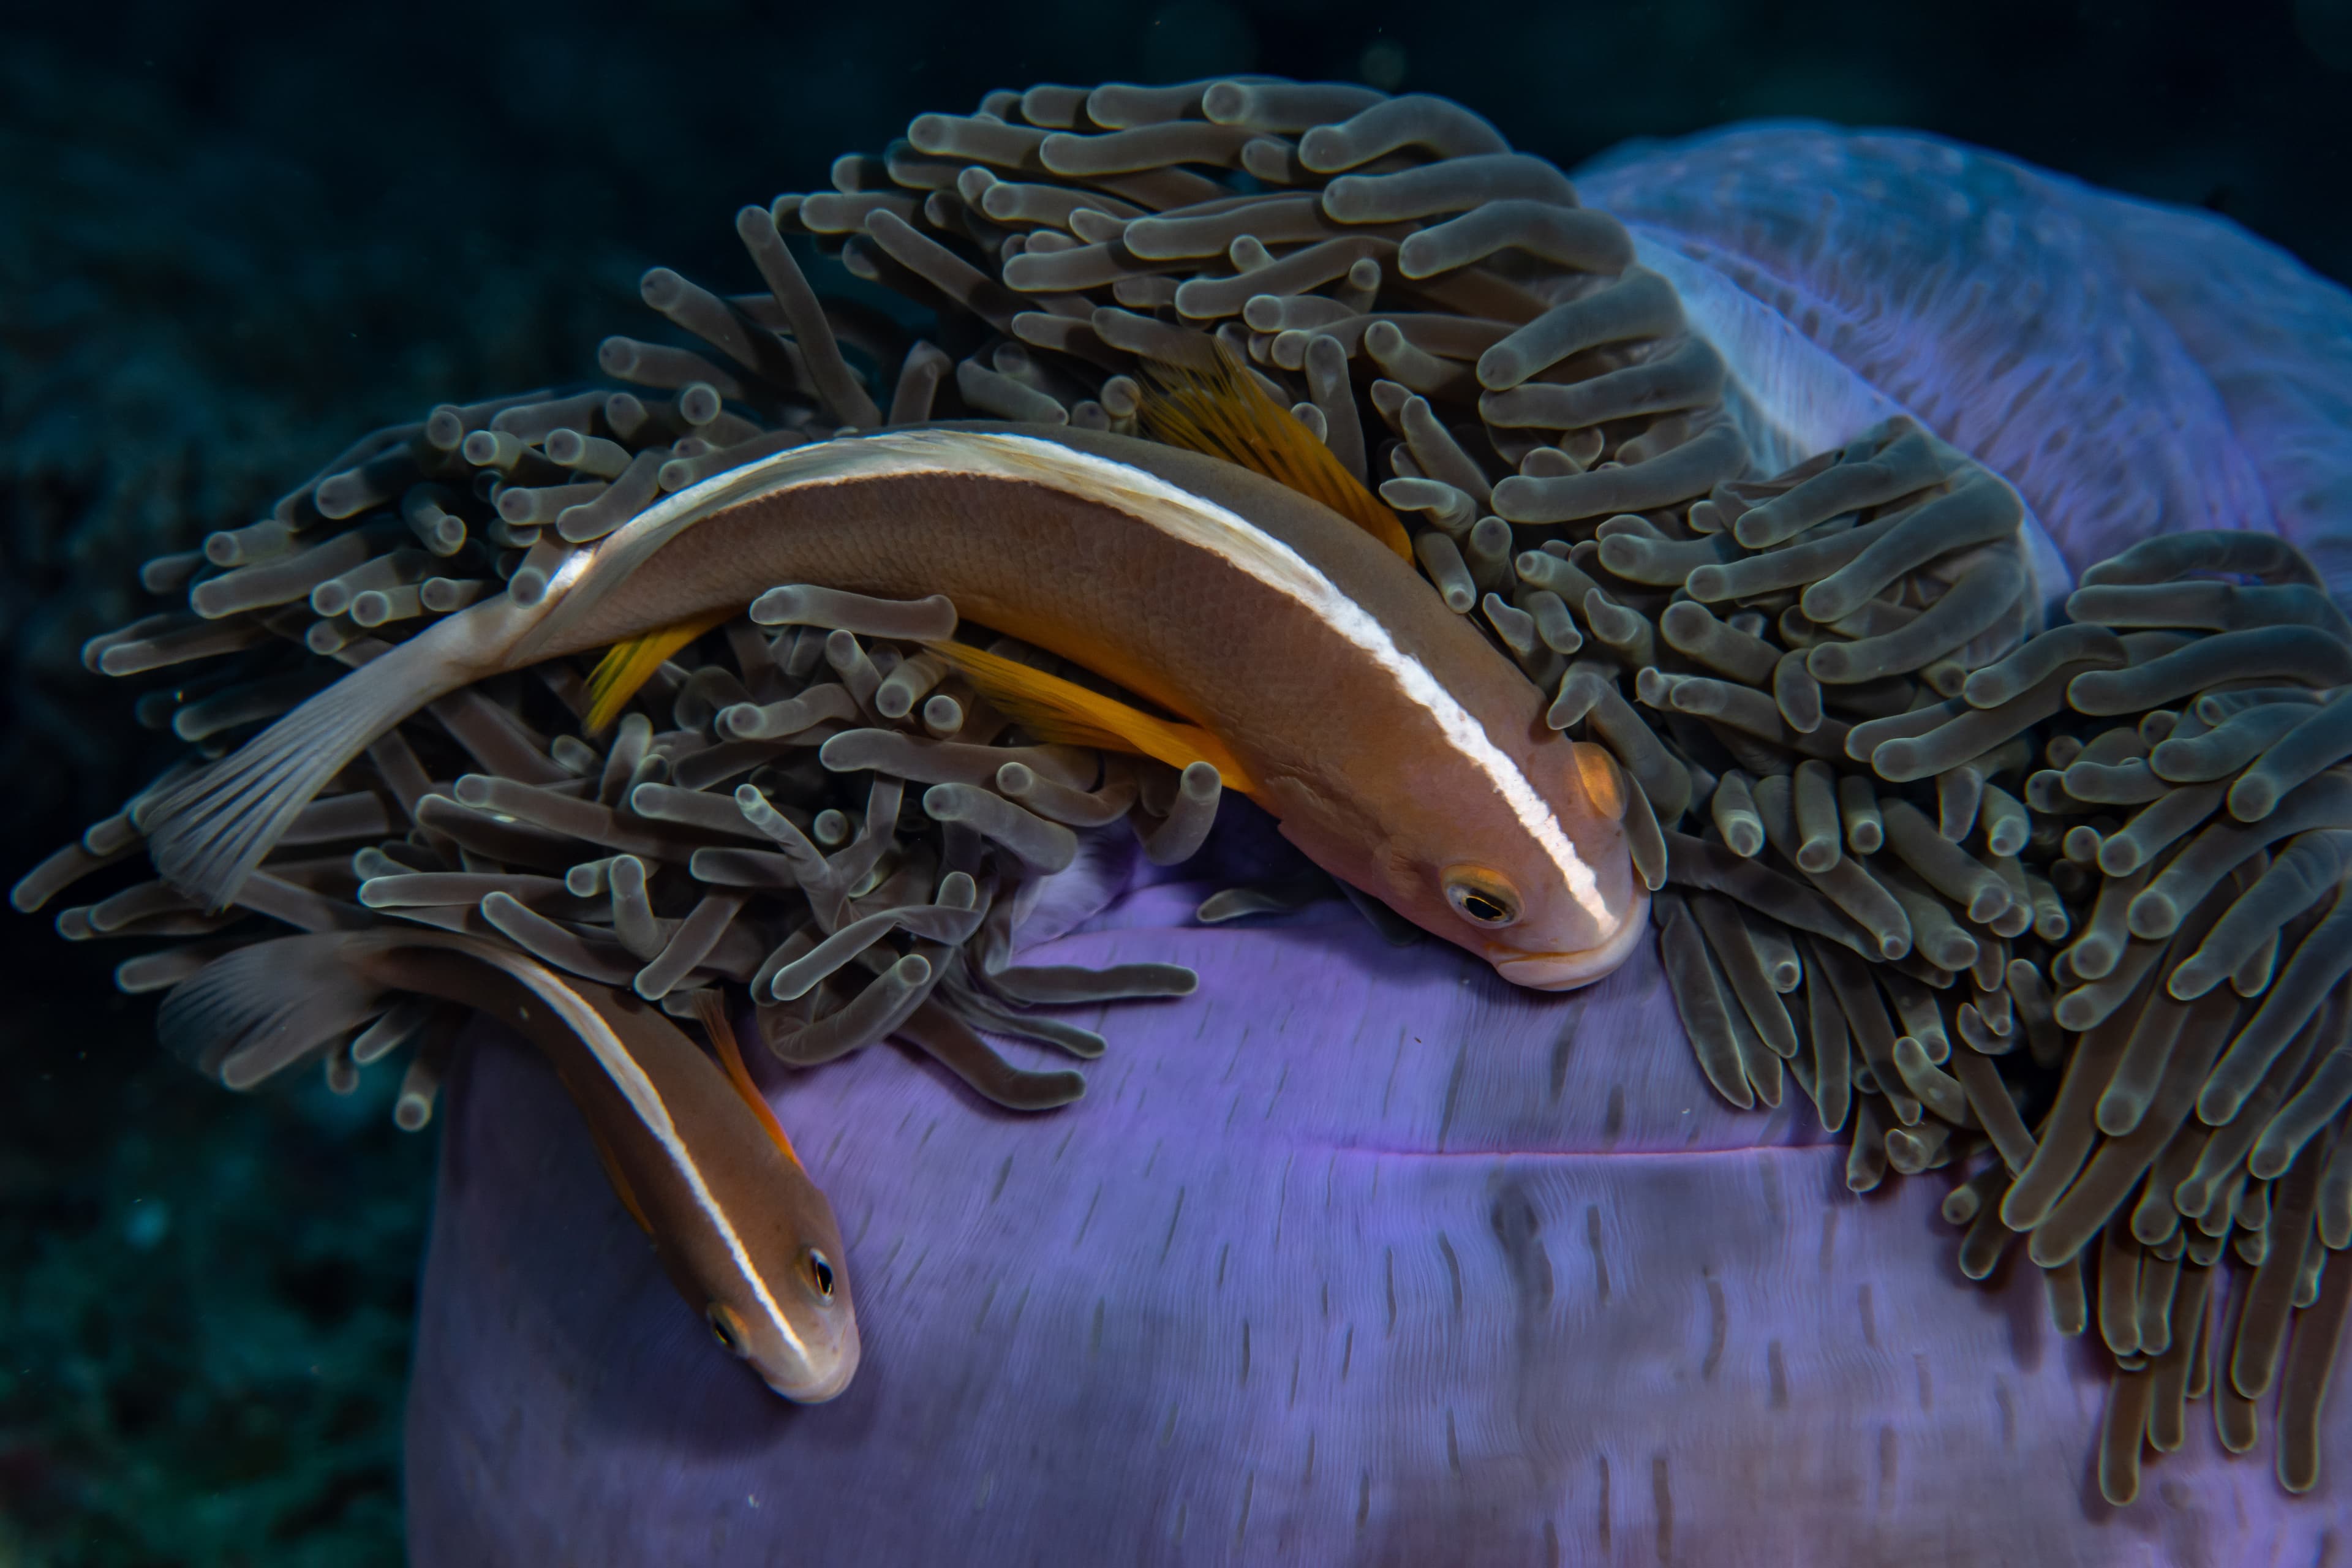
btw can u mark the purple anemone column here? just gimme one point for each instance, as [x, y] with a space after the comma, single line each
[1356, 1256]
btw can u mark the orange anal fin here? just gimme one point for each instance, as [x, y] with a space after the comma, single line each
[1222, 412]
[1064, 713]
[712, 1011]
[627, 666]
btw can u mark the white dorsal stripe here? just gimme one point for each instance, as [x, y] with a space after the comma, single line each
[1176, 512]
[1203, 523]
[634, 1086]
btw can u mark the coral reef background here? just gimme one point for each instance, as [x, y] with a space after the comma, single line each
[231, 239]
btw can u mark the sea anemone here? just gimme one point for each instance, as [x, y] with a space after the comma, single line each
[2047, 911]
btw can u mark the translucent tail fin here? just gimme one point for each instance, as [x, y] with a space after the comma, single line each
[265, 1007]
[209, 832]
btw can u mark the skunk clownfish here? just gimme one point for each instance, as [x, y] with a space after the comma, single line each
[1277, 618]
[690, 1146]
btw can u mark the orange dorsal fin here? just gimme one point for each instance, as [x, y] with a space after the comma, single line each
[1222, 411]
[627, 666]
[712, 1011]
[1063, 712]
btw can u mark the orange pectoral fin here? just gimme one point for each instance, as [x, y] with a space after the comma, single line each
[1222, 412]
[712, 1012]
[1064, 713]
[627, 666]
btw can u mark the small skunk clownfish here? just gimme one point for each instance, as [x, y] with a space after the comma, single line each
[690, 1146]
[1280, 619]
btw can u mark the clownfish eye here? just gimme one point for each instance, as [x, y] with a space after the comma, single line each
[1481, 897]
[819, 1273]
[725, 1328]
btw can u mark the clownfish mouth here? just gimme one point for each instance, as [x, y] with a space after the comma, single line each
[1567, 971]
[807, 1386]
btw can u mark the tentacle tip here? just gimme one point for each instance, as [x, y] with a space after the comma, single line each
[2250, 801]
[2190, 982]
[2045, 1256]
[2119, 1114]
